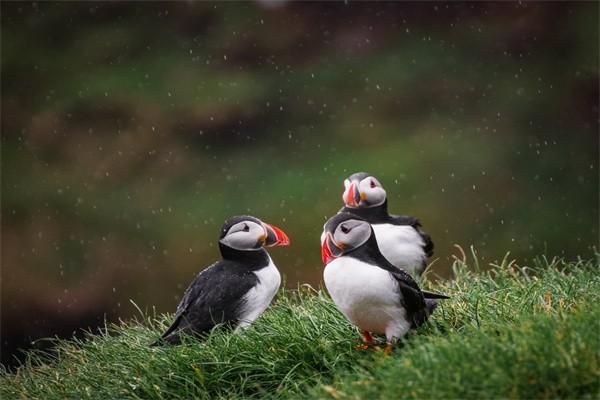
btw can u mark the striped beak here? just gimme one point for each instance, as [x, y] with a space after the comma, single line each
[330, 250]
[275, 236]
[353, 196]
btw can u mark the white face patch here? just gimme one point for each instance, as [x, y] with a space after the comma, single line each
[374, 194]
[352, 233]
[346, 187]
[245, 235]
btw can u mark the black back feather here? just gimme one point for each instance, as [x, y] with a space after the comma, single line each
[216, 295]
[379, 215]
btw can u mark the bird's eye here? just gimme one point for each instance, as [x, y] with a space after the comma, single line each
[246, 228]
[344, 229]
[373, 184]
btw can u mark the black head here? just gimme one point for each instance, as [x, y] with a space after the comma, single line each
[363, 190]
[247, 233]
[344, 233]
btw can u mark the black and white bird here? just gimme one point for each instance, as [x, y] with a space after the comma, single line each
[234, 290]
[399, 237]
[374, 295]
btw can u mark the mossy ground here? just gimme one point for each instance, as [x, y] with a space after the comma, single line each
[509, 331]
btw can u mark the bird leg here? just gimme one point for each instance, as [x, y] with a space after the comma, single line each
[389, 347]
[367, 341]
[367, 338]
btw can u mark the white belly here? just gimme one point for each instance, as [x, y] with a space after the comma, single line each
[402, 246]
[259, 297]
[367, 295]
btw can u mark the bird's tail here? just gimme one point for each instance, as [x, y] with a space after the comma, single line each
[172, 339]
[432, 299]
[431, 305]
[431, 295]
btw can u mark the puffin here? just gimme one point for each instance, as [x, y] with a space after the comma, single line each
[400, 237]
[235, 290]
[373, 295]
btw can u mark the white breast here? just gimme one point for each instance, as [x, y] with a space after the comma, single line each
[259, 297]
[367, 295]
[402, 246]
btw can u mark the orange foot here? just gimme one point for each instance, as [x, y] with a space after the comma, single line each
[388, 348]
[367, 338]
[368, 341]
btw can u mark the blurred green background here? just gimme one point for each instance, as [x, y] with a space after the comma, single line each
[130, 131]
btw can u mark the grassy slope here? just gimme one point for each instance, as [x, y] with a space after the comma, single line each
[517, 332]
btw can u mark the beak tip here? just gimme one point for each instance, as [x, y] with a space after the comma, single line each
[353, 196]
[278, 237]
[326, 254]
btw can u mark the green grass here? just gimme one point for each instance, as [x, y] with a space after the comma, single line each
[508, 332]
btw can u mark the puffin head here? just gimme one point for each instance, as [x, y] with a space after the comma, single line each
[343, 233]
[250, 233]
[363, 190]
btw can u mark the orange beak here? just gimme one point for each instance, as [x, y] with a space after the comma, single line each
[353, 196]
[326, 254]
[275, 236]
[330, 250]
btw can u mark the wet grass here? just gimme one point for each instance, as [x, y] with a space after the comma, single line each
[510, 331]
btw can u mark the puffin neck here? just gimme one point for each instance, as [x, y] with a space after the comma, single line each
[373, 215]
[370, 253]
[254, 259]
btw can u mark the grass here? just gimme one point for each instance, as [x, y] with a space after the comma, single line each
[508, 332]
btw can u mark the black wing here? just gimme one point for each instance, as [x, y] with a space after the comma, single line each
[406, 220]
[412, 298]
[428, 247]
[418, 303]
[415, 223]
[214, 296]
[189, 295]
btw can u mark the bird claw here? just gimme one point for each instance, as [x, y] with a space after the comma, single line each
[388, 349]
[369, 342]
[368, 346]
